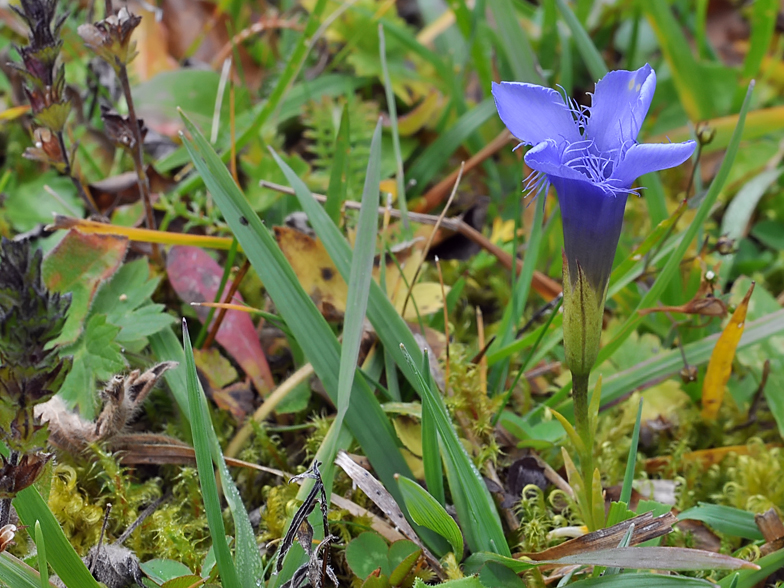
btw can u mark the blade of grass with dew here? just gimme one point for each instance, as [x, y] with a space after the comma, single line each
[365, 418]
[40, 545]
[591, 56]
[15, 573]
[358, 290]
[338, 176]
[166, 346]
[515, 43]
[475, 507]
[392, 108]
[207, 481]
[287, 76]
[65, 562]
[673, 262]
[426, 511]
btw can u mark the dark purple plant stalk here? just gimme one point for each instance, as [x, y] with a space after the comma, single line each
[110, 39]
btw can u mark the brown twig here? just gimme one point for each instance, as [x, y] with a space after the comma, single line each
[138, 154]
[429, 241]
[235, 284]
[437, 193]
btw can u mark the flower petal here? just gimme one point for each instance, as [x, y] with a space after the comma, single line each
[546, 158]
[642, 159]
[533, 113]
[592, 221]
[619, 106]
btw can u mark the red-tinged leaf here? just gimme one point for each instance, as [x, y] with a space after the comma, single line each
[195, 276]
[79, 264]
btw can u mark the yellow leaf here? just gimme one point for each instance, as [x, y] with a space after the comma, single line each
[388, 186]
[720, 365]
[14, 112]
[426, 297]
[317, 274]
[426, 112]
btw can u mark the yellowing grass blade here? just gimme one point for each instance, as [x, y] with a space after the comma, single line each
[720, 365]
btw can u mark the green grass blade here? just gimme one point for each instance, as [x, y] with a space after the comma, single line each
[431, 454]
[15, 573]
[646, 579]
[389, 325]
[287, 76]
[365, 418]
[631, 461]
[165, 346]
[725, 519]
[65, 562]
[338, 178]
[522, 287]
[475, 507]
[690, 83]
[40, 544]
[207, 481]
[750, 578]
[392, 108]
[763, 24]
[593, 59]
[515, 43]
[426, 511]
[358, 291]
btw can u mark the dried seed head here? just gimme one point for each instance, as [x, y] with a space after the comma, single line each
[111, 38]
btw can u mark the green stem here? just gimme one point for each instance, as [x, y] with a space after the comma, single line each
[583, 428]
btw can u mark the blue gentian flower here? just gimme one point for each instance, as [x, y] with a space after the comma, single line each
[591, 156]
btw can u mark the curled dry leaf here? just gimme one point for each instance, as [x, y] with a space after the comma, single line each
[646, 527]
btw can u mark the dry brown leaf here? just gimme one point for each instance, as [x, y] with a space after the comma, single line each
[646, 527]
